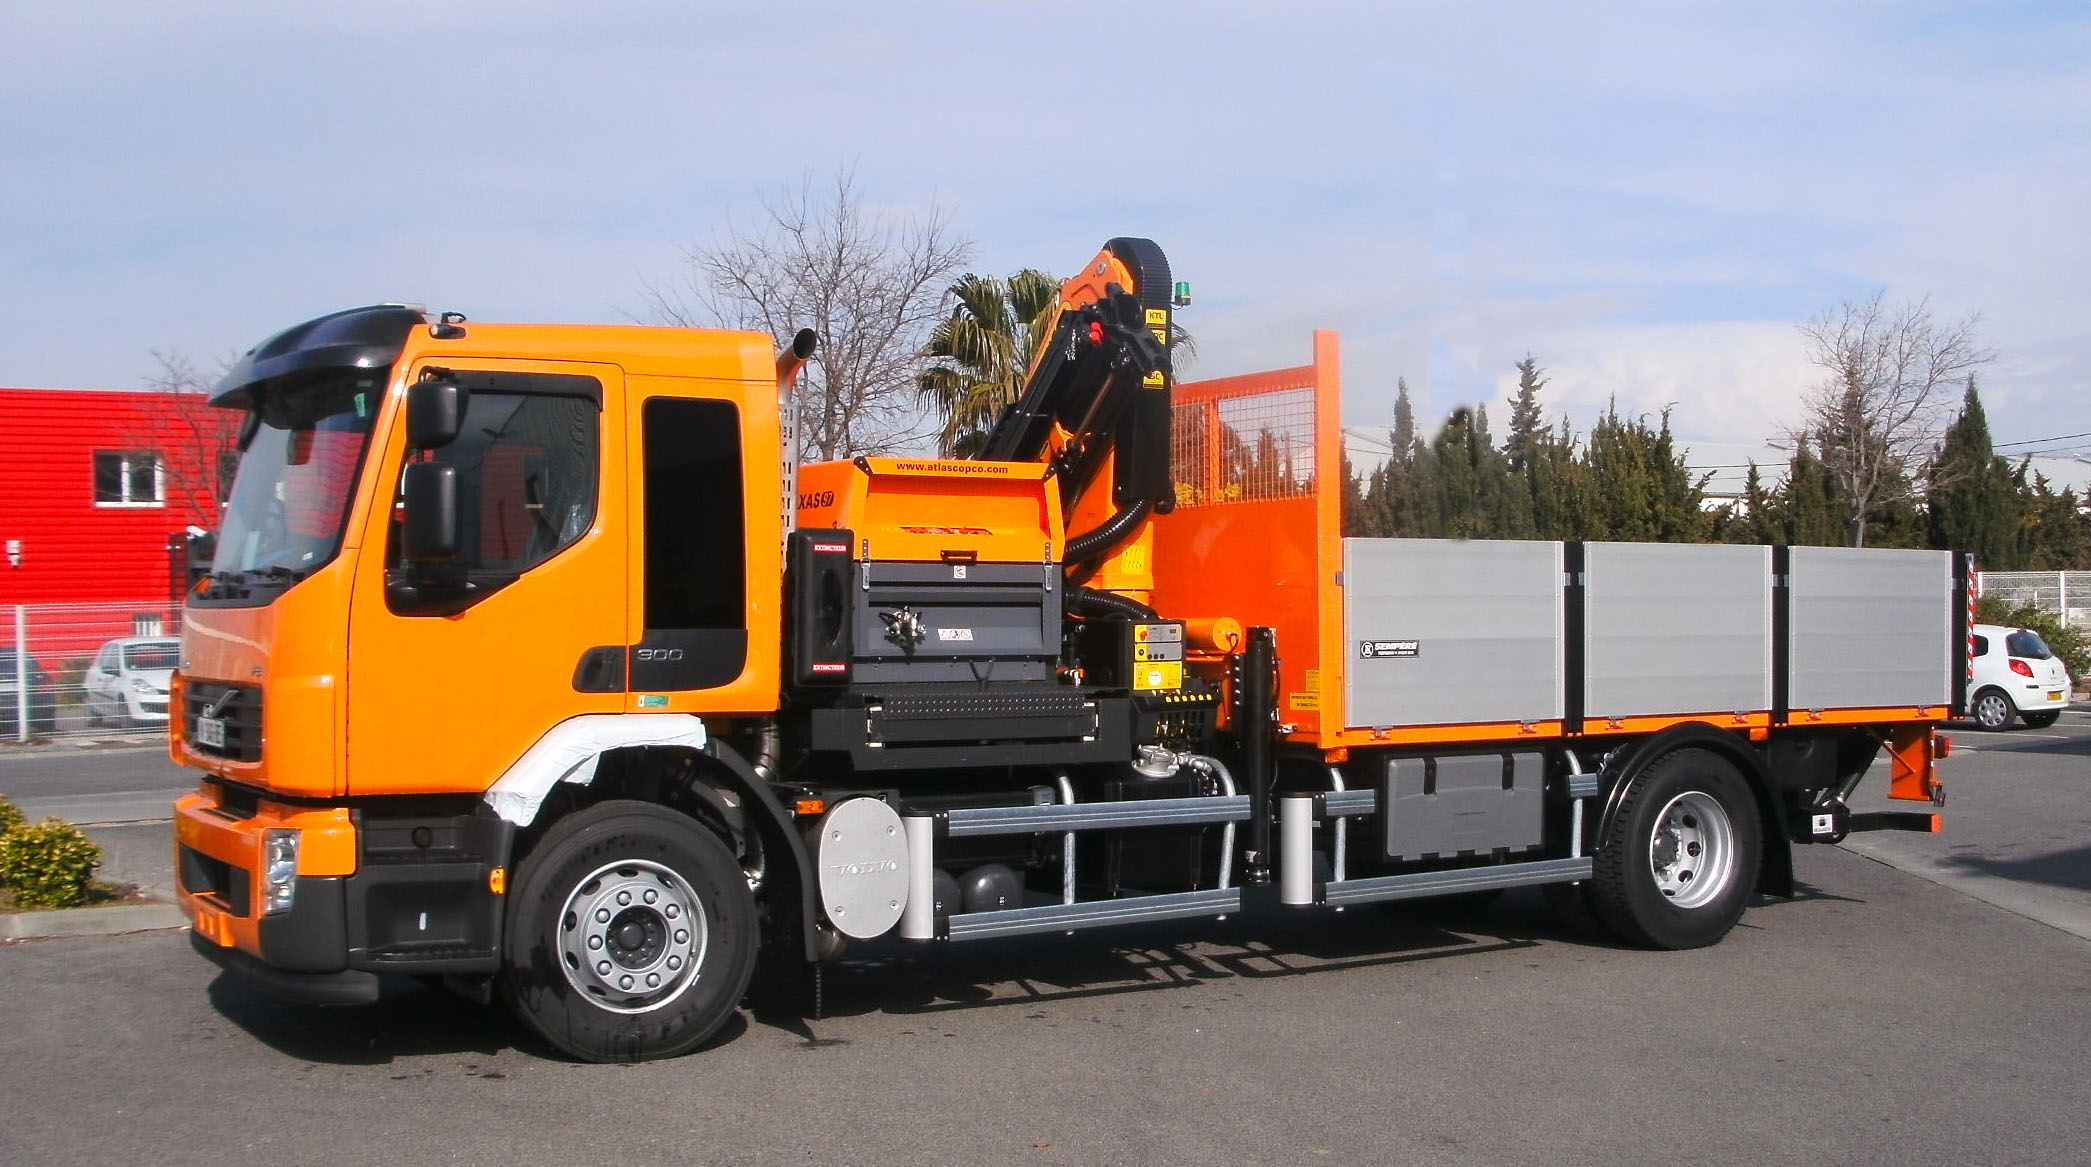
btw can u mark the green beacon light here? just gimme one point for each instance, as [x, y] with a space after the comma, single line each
[1182, 294]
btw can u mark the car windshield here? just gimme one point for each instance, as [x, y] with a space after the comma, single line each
[2027, 644]
[158, 655]
[290, 497]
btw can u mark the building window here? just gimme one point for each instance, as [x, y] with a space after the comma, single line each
[129, 478]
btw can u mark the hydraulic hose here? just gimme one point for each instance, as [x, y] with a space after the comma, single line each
[1096, 602]
[1090, 544]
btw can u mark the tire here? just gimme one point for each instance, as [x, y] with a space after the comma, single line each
[1683, 855]
[2041, 720]
[1992, 709]
[614, 881]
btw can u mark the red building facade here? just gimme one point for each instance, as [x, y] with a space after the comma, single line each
[97, 487]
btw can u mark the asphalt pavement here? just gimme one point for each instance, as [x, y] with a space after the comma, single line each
[2017, 822]
[1877, 1019]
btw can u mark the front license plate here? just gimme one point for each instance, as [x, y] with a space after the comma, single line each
[210, 731]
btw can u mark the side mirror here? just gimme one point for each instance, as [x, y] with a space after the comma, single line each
[435, 411]
[429, 494]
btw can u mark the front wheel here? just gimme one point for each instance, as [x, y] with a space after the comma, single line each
[2042, 719]
[631, 934]
[1993, 710]
[1680, 865]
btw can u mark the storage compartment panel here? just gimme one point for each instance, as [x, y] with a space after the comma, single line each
[1473, 804]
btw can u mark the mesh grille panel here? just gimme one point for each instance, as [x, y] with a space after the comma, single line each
[1246, 448]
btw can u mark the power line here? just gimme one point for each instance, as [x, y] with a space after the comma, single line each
[2038, 441]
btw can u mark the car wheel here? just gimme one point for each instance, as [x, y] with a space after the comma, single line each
[1683, 856]
[631, 934]
[1993, 709]
[2041, 720]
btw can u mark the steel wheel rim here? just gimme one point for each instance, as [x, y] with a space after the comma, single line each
[632, 936]
[1691, 850]
[1989, 711]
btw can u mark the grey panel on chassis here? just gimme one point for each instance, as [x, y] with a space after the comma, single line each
[1445, 632]
[1676, 628]
[1471, 804]
[1870, 627]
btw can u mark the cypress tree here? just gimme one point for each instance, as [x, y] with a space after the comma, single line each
[1527, 427]
[1974, 502]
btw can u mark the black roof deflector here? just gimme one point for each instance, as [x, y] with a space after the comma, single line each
[359, 338]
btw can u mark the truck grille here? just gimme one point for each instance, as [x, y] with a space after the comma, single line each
[238, 706]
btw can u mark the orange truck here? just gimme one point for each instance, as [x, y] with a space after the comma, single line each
[532, 662]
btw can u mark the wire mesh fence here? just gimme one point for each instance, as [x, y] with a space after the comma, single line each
[86, 670]
[2067, 594]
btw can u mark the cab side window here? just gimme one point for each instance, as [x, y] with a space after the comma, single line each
[696, 604]
[528, 465]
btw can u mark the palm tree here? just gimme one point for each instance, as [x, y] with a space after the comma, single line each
[982, 351]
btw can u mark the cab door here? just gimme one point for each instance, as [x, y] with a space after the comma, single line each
[446, 691]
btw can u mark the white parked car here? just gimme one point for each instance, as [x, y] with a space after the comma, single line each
[2016, 675]
[127, 683]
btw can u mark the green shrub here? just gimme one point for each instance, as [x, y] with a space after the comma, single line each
[48, 865]
[2073, 645]
[11, 816]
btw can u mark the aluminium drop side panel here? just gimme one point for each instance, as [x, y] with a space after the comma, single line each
[1450, 632]
[1870, 628]
[1676, 628]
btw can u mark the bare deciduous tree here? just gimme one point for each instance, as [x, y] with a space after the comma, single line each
[1879, 412]
[870, 281]
[196, 443]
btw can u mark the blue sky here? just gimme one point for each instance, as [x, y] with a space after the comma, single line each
[1646, 198]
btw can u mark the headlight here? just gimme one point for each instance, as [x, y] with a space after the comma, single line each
[279, 871]
[142, 687]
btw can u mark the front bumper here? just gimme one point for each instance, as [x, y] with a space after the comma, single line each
[378, 890]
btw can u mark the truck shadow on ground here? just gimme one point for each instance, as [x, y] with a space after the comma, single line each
[909, 980]
[409, 1020]
[412, 1021]
[2070, 867]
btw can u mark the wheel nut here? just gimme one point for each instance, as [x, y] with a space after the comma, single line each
[624, 982]
[652, 895]
[595, 942]
[603, 967]
[624, 897]
[681, 937]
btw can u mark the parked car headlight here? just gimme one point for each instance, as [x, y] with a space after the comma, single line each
[143, 687]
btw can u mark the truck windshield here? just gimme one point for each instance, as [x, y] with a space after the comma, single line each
[290, 497]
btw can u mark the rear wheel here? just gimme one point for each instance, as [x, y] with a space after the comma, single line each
[1683, 857]
[1993, 709]
[2042, 719]
[631, 934]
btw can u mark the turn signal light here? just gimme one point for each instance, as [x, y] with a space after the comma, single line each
[812, 806]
